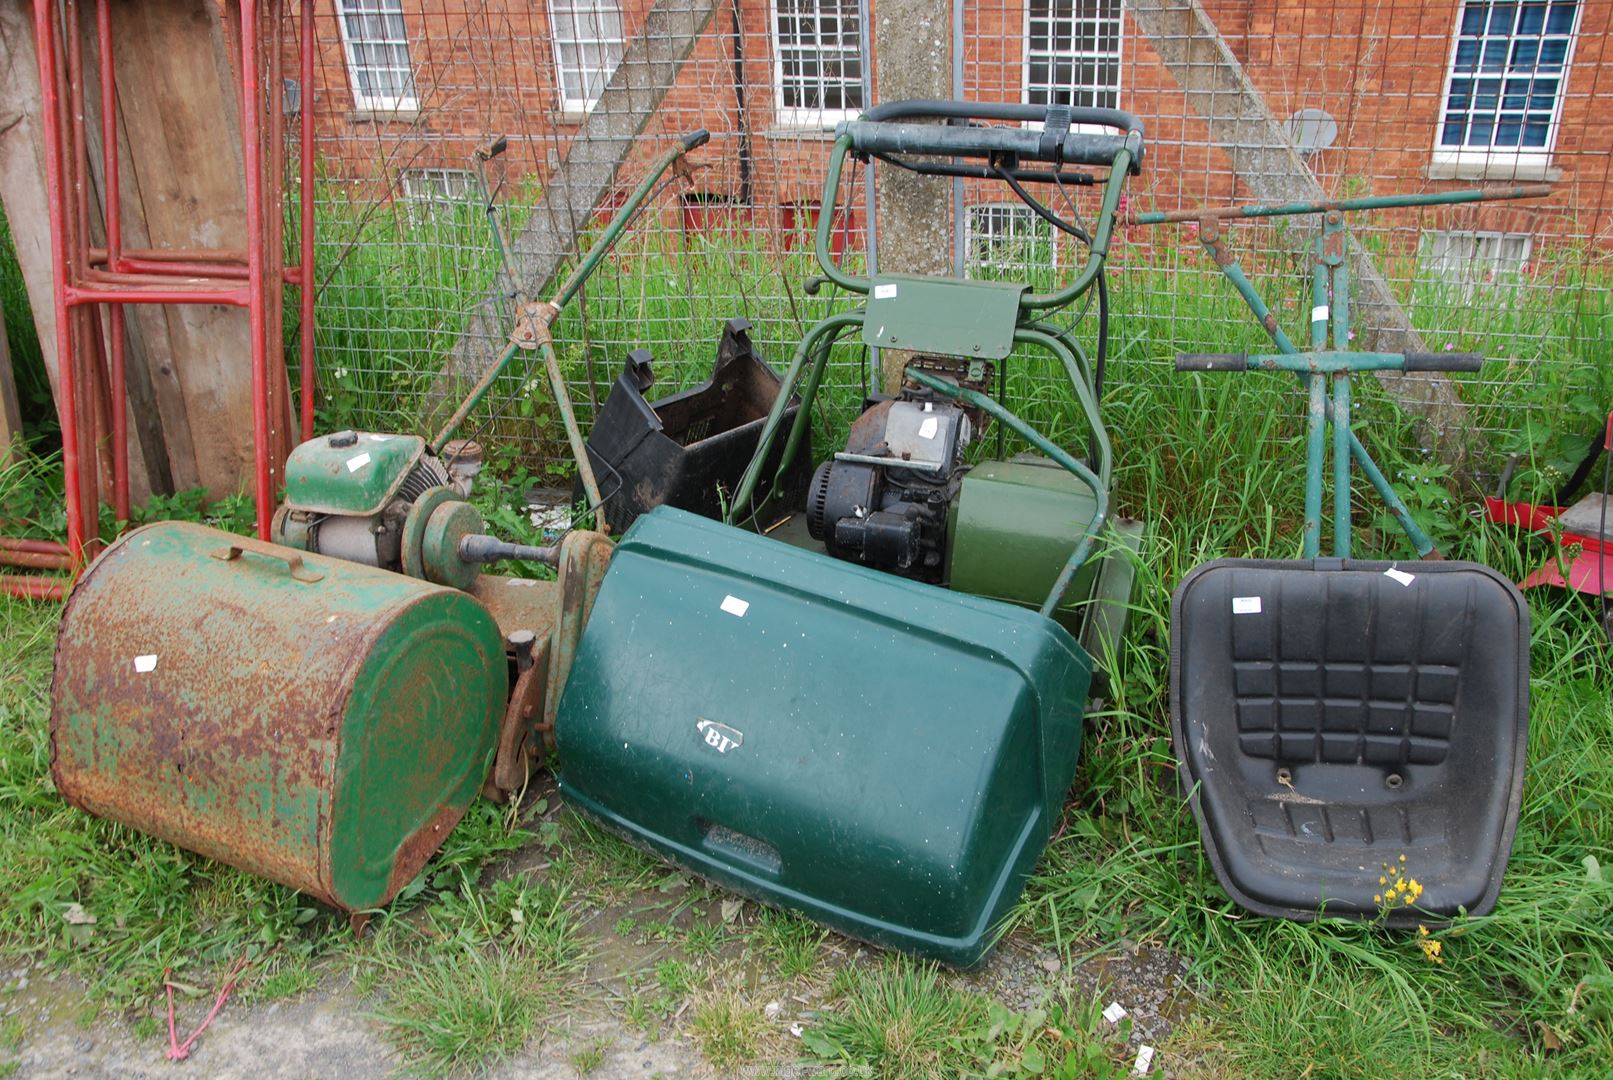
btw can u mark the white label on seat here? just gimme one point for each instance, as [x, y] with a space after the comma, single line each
[884, 292]
[1246, 605]
[354, 464]
[1399, 575]
[735, 606]
[145, 663]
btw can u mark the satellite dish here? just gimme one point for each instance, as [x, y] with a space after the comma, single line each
[1311, 131]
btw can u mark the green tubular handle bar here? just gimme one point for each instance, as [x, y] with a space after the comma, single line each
[1125, 153]
[1330, 362]
[569, 289]
[1100, 489]
[823, 332]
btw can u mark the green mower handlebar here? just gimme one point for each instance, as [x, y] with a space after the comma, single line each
[1330, 362]
[534, 321]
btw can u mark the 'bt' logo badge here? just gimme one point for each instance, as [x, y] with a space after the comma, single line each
[720, 737]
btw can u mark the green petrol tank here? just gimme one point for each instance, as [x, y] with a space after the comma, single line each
[314, 721]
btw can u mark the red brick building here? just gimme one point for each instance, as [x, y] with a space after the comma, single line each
[1417, 94]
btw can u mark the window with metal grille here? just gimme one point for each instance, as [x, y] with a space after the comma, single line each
[588, 44]
[447, 187]
[1471, 259]
[1072, 53]
[1007, 238]
[376, 45]
[817, 62]
[1509, 69]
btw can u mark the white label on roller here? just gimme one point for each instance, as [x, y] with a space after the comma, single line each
[1145, 1060]
[1319, 313]
[735, 606]
[354, 464]
[1115, 1013]
[884, 292]
[927, 429]
[1399, 575]
[1246, 605]
[145, 663]
[379, 438]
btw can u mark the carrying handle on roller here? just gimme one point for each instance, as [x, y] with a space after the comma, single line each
[292, 559]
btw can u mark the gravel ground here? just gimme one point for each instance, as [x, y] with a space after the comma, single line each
[328, 1032]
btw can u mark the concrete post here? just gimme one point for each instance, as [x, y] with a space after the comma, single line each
[912, 59]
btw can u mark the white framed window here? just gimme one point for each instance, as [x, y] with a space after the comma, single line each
[1007, 238]
[437, 187]
[1470, 259]
[588, 44]
[817, 62]
[1505, 87]
[376, 45]
[1072, 53]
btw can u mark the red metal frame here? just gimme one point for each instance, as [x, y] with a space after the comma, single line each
[91, 362]
[1590, 570]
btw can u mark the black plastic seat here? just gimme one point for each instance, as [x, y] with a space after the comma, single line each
[1333, 715]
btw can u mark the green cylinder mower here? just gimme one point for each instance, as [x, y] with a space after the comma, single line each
[868, 706]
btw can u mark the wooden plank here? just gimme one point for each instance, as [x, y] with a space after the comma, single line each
[22, 188]
[184, 186]
[576, 189]
[1240, 122]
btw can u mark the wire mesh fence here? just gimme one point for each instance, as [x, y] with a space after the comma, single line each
[1374, 98]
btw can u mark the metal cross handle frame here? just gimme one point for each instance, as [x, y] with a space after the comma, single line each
[1321, 368]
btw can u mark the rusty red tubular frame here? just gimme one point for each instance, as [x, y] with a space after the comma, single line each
[92, 377]
[30, 587]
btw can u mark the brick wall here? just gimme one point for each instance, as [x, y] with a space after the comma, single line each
[1378, 68]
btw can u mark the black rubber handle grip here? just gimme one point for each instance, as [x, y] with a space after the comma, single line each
[932, 109]
[1212, 361]
[1444, 361]
[882, 130]
[696, 139]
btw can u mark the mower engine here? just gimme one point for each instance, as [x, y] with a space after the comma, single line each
[885, 500]
[387, 501]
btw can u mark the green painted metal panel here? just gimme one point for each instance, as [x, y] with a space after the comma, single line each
[942, 315]
[1013, 528]
[325, 478]
[322, 724]
[882, 755]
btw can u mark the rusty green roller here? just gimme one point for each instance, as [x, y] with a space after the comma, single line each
[318, 722]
